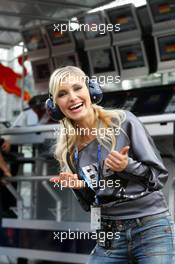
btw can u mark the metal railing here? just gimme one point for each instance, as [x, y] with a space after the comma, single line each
[44, 179]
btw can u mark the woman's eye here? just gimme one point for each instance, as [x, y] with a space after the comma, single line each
[77, 88]
[61, 94]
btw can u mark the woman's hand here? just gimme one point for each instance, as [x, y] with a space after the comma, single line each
[118, 160]
[6, 146]
[4, 166]
[7, 172]
[67, 180]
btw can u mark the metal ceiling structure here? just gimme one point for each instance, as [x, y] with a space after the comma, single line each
[15, 15]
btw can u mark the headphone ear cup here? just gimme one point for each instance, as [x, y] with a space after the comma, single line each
[95, 91]
[53, 111]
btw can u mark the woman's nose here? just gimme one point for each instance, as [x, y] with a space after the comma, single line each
[72, 96]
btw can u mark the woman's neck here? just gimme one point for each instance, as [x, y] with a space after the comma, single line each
[85, 129]
[87, 123]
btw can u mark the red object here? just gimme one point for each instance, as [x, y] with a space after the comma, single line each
[8, 80]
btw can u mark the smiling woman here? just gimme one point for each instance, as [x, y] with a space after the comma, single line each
[74, 100]
[135, 207]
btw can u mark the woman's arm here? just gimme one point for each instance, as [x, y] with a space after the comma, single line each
[4, 167]
[144, 161]
[6, 146]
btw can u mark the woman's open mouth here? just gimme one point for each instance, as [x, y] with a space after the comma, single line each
[76, 107]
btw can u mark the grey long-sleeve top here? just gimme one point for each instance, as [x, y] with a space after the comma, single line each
[136, 191]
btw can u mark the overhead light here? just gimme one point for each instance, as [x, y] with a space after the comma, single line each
[126, 84]
[115, 3]
[74, 23]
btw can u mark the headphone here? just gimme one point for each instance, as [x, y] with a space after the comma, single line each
[96, 96]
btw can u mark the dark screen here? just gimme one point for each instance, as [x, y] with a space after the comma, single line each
[170, 108]
[124, 17]
[113, 100]
[65, 61]
[143, 101]
[58, 37]
[102, 60]
[152, 102]
[162, 10]
[33, 39]
[131, 56]
[42, 71]
[130, 102]
[167, 48]
[93, 26]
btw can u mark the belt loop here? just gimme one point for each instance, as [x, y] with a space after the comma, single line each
[138, 222]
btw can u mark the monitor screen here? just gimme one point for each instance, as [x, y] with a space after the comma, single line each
[65, 61]
[170, 108]
[162, 10]
[130, 102]
[102, 60]
[113, 100]
[131, 56]
[167, 47]
[33, 39]
[58, 37]
[152, 102]
[124, 17]
[42, 71]
[93, 26]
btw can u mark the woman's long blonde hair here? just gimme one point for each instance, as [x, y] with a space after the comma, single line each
[105, 119]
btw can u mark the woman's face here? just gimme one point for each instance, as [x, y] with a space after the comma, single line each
[73, 98]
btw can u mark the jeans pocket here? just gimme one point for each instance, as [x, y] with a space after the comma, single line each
[157, 237]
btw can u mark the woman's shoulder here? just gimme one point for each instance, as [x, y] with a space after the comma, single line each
[131, 121]
[121, 116]
[129, 116]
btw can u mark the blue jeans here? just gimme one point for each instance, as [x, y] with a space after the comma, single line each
[146, 240]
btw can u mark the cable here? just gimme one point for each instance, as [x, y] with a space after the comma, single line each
[84, 196]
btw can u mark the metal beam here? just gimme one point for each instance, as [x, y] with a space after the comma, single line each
[105, 2]
[45, 255]
[6, 45]
[9, 29]
[48, 18]
[31, 16]
[27, 178]
[45, 224]
[102, 3]
[52, 3]
[56, 197]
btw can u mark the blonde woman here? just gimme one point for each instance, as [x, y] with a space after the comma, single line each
[112, 147]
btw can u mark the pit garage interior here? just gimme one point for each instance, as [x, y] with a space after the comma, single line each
[140, 60]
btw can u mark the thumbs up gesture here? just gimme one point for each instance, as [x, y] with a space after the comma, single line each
[117, 160]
